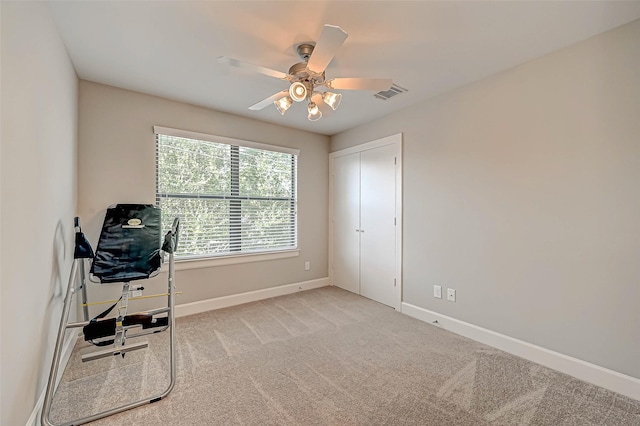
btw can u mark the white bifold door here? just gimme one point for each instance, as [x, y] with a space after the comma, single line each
[365, 223]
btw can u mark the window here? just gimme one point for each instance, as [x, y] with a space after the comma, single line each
[232, 197]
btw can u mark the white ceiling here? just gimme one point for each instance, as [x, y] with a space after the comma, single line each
[170, 49]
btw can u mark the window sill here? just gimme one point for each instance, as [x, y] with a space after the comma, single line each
[209, 262]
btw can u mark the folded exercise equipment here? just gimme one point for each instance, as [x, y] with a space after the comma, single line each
[130, 248]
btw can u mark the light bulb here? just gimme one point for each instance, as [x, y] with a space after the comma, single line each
[298, 91]
[283, 104]
[314, 113]
[332, 99]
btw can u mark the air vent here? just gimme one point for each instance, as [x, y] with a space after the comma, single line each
[393, 91]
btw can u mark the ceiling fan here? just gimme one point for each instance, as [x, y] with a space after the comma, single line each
[308, 76]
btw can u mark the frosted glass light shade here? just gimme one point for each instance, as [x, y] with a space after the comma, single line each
[298, 91]
[332, 99]
[283, 104]
[314, 113]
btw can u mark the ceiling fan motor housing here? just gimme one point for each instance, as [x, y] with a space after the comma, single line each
[300, 72]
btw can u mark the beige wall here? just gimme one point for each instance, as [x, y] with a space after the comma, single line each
[38, 178]
[522, 192]
[117, 165]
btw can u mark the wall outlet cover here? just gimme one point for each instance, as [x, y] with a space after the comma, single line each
[451, 295]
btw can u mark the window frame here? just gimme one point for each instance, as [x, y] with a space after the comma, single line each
[233, 257]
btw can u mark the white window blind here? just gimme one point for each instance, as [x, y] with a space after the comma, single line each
[232, 197]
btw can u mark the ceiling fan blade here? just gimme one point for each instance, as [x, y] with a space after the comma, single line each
[250, 67]
[330, 41]
[376, 84]
[268, 101]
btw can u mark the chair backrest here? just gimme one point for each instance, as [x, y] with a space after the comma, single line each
[129, 245]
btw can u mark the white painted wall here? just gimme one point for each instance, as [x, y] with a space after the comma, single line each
[38, 177]
[521, 191]
[117, 165]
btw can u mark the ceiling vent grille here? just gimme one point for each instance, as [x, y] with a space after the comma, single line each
[393, 91]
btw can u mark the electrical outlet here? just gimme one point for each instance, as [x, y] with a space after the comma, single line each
[307, 265]
[437, 291]
[451, 295]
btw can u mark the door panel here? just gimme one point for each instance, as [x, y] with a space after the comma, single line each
[378, 230]
[346, 222]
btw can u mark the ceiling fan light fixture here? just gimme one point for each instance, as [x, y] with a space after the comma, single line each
[298, 91]
[303, 77]
[283, 104]
[314, 112]
[332, 99]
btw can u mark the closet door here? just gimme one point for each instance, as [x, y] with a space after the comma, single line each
[377, 224]
[346, 222]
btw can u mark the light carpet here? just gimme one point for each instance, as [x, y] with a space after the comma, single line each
[330, 357]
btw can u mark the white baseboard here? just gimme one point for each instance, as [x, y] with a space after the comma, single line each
[251, 296]
[67, 350]
[600, 376]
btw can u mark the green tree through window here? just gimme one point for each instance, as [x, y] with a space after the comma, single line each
[231, 199]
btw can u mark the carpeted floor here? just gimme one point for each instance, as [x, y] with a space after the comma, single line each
[330, 357]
